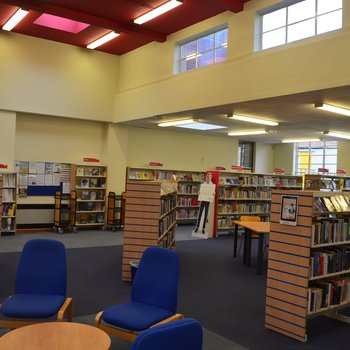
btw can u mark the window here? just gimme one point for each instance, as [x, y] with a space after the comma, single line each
[203, 51]
[310, 156]
[300, 20]
[246, 154]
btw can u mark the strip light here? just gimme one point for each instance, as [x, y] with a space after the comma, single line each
[337, 134]
[102, 40]
[299, 140]
[15, 19]
[333, 109]
[157, 11]
[243, 133]
[177, 122]
[253, 120]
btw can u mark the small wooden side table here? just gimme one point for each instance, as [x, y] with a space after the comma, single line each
[56, 336]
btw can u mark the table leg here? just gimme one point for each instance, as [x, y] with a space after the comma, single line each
[260, 254]
[245, 243]
[248, 247]
[235, 242]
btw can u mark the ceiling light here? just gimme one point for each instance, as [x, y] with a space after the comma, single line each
[201, 126]
[253, 120]
[242, 133]
[333, 109]
[337, 134]
[158, 11]
[192, 56]
[102, 40]
[15, 19]
[177, 122]
[299, 140]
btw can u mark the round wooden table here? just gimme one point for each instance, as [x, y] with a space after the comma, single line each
[56, 336]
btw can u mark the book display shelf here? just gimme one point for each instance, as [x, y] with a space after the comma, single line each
[8, 202]
[89, 182]
[150, 219]
[248, 194]
[188, 188]
[309, 259]
[314, 182]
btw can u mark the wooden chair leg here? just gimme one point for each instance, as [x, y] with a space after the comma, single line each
[66, 307]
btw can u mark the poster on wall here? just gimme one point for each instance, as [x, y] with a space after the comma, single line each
[289, 210]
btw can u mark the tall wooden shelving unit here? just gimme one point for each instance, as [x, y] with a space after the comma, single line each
[8, 202]
[248, 194]
[150, 219]
[291, 264]
[188, 188]
[89, 182]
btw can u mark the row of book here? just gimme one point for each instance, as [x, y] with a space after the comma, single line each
[226, 221]
[8, 209]
[262, 180]
[326, 293]
[90, 218]
[9, 180]
[8, 225]
[8, 195]
[235, 193]
[235, 207]
[187, 214]
[337, 203]
[167, 222]
[90, 206]
[188, 189]
[166, 204]
[93, 182]
[178, 176]
[187, 202]
[92, 195]
[330, 230]
[87, 171]
[332, 260]
[168, 240]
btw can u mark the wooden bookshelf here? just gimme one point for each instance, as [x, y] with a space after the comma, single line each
[89, 183]
[188, 188]
[8, 202]
[296, 274]
[317, 182]
[150, 219]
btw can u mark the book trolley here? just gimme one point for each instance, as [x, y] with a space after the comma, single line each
[150, 219]
[114, 211]
[64, 212]
[309, 260]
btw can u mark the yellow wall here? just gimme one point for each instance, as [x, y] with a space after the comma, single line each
[45, 77]
[7, 139]
[283, 157]
[343, 156]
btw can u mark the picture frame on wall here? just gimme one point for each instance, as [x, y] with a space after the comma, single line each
[289, 210]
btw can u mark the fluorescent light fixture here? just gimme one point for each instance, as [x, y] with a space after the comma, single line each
[201, 126]
[243, 133]
[177, 122]
[299, 140]
[102, 40]
[192, 56]
[158, 11]
[15, 19]
[337, 134]
[253, 120]
[333, 109]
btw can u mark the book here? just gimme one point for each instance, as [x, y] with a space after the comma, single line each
[93, 195]
[85, 195]
[95, 171]
[88, 171]
[94, 183]
[80, 172]
[84, 182]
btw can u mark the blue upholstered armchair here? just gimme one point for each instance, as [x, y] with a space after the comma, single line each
[185, 334]
[153, 297]
[40, 289]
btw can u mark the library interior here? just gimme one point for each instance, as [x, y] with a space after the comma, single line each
[174, 174]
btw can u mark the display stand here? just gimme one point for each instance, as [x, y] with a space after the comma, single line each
[8, 202]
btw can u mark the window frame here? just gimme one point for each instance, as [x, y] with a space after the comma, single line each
[245, 147]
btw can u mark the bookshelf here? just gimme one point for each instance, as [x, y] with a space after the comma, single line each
[308, 262]
[150, 219]
[89, 183]
[114, 211]
[188, 188]
[315, 182]
[8, 202]
[248, 194]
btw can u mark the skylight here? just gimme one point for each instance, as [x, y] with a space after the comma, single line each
[60, 23]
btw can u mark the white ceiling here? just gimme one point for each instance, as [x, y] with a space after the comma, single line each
[296, 114]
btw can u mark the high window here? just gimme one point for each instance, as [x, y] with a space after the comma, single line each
[310, 156]
[246, 154]
[300, 20]
[202, 50]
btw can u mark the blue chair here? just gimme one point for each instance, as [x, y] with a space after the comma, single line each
[40, 288]
[153, 297]
[185, 334]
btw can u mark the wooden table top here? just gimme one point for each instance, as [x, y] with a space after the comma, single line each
[255, 226]
[56, 336]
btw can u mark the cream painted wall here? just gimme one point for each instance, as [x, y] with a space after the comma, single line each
[263, 158]
[45, 77]
[7, 139]
[343, 156]
[180, 151]
[151, 89]
[43, 138]
[283, 157]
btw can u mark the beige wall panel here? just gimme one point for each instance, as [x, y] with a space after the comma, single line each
[8, 138]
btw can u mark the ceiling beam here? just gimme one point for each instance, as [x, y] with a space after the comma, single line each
[102, 22]
[233, 5]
